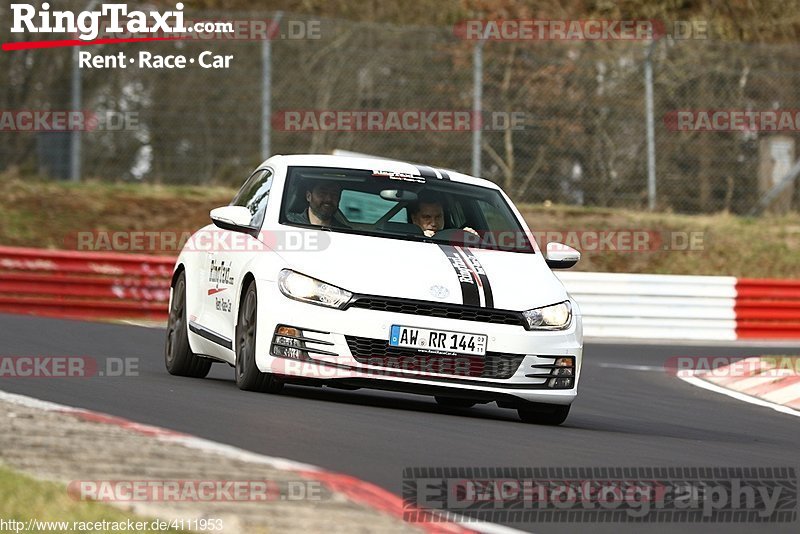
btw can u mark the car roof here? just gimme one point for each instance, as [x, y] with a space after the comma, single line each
[367, 163]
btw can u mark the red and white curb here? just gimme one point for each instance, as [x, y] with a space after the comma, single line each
[358, 491]
[769, 381]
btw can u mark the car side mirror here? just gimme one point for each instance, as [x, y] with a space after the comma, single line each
[561, 256]
[234, 218]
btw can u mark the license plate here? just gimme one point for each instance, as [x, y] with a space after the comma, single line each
[441, 341]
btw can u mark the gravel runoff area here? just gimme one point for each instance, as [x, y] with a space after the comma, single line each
[65, 447]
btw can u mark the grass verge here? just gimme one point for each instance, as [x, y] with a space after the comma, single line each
[24, 499]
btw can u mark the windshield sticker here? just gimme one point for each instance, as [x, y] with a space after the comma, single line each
[404, 176]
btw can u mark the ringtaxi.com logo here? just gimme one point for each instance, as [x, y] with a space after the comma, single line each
[87, 24]
[115, 23]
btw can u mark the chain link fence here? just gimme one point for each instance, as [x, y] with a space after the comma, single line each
[579, 106]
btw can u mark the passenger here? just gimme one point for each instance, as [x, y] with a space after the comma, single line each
[322, 198]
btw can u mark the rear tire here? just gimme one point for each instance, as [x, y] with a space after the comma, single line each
[543, 414]
[178, 355]
[248, 377]
[454, 402]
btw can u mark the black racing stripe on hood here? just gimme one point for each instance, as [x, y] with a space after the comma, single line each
[487, 287]
[469, 286]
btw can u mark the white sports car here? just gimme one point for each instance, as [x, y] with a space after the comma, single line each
[356, 272]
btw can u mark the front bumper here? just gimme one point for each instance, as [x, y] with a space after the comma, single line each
[512, 353]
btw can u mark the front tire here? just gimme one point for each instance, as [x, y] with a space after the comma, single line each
[248, 377]
[178, 355]
[543, 414]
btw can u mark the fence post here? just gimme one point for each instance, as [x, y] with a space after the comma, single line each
[477, 106]
[77, 98]
[266, 86]
[75, 138]
[651, 141]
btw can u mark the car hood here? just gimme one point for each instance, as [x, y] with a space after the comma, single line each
[428, 271]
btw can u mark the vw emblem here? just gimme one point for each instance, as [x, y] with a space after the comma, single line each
[440, 292]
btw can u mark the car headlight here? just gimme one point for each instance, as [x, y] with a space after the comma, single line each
[306, 289]
[555, 317]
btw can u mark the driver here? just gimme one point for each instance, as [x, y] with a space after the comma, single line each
[428, 213]
[323, 204]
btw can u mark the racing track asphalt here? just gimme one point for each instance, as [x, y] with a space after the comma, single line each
[623, 416]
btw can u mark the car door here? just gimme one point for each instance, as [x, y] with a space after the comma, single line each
[225, 263]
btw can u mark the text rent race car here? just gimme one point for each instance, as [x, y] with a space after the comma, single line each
[356, 272]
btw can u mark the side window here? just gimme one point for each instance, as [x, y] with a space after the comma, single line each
[495, 218]
[254, 195]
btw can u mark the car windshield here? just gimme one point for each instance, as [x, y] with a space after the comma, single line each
[401, 206]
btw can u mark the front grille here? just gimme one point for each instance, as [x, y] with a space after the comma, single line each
[435, 309]
[378, 352]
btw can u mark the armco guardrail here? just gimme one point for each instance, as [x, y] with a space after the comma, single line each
[84, 284]
[655, 306]
[112, 285]
[685, 307]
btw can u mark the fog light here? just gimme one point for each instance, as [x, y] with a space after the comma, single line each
[560, 383]
[294, 354]
[563, 371]
[285, 344]
[288, 341]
